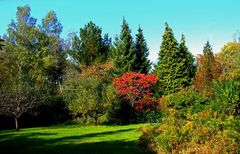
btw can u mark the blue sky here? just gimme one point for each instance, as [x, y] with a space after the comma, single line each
[199, 20]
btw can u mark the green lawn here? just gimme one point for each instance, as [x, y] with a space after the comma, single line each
[72, 139]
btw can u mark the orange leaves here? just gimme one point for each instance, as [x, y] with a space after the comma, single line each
[100, 71]
[208, 70]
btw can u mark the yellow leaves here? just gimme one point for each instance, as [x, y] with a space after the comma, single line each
[49, 61]
[229, 58]
[188, 126]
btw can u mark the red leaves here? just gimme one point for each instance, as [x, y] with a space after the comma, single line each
[137, 88]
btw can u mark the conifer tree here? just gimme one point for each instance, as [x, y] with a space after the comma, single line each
[188, 67]
[141, 63]
[90, 47]
[208, 62]
[168, 68]
[204, 77]
[124, 55]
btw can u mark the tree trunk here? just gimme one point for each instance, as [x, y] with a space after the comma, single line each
[96, 121]
[16, 123]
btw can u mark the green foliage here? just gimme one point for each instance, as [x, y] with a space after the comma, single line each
[124, 52]
[203, 132]
[120, 113]
[87, 93]
[117, 113]
[188, 67]
[154, 116]
[227, 97]
[141, 63]
[91, 47]
[194, 123]
[50, 25]
[33, 57]
[175, 67]
[186, 102]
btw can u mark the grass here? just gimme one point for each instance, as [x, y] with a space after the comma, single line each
[72, 139]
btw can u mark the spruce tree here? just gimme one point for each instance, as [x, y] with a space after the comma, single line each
[188, 68]
[124, 55]
[169, 63]
[141, 63]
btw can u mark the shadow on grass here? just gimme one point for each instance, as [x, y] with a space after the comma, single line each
[34, 143]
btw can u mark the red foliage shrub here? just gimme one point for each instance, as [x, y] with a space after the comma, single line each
[137, 89]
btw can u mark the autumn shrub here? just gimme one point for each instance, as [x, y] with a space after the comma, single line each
[137, 91]
[191, 125]
[204, 132]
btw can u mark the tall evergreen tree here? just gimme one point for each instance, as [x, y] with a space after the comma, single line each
[91, 47]
[168, 68]
[124, 55]
[188, 68]
[141, 63]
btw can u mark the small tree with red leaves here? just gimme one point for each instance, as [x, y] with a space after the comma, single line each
[137, 89]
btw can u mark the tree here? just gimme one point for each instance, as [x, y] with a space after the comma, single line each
[34, 62]
[205, 71]
[91, 47]
[51, 53]
[50, 25]
[44, 48]
[171, 62]
[137, 89]
[141, 63]
[3, 61]
[188, 67]
[18, 98]
[229, 60]
[86, 92]
[19, 92]
[124, 55]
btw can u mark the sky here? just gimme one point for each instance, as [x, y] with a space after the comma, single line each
[199, 20]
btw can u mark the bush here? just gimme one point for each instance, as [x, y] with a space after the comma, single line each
[191, 125]
[204, 132]
[154, 116]
[227, 97]
[186, 102]
[119, 112]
